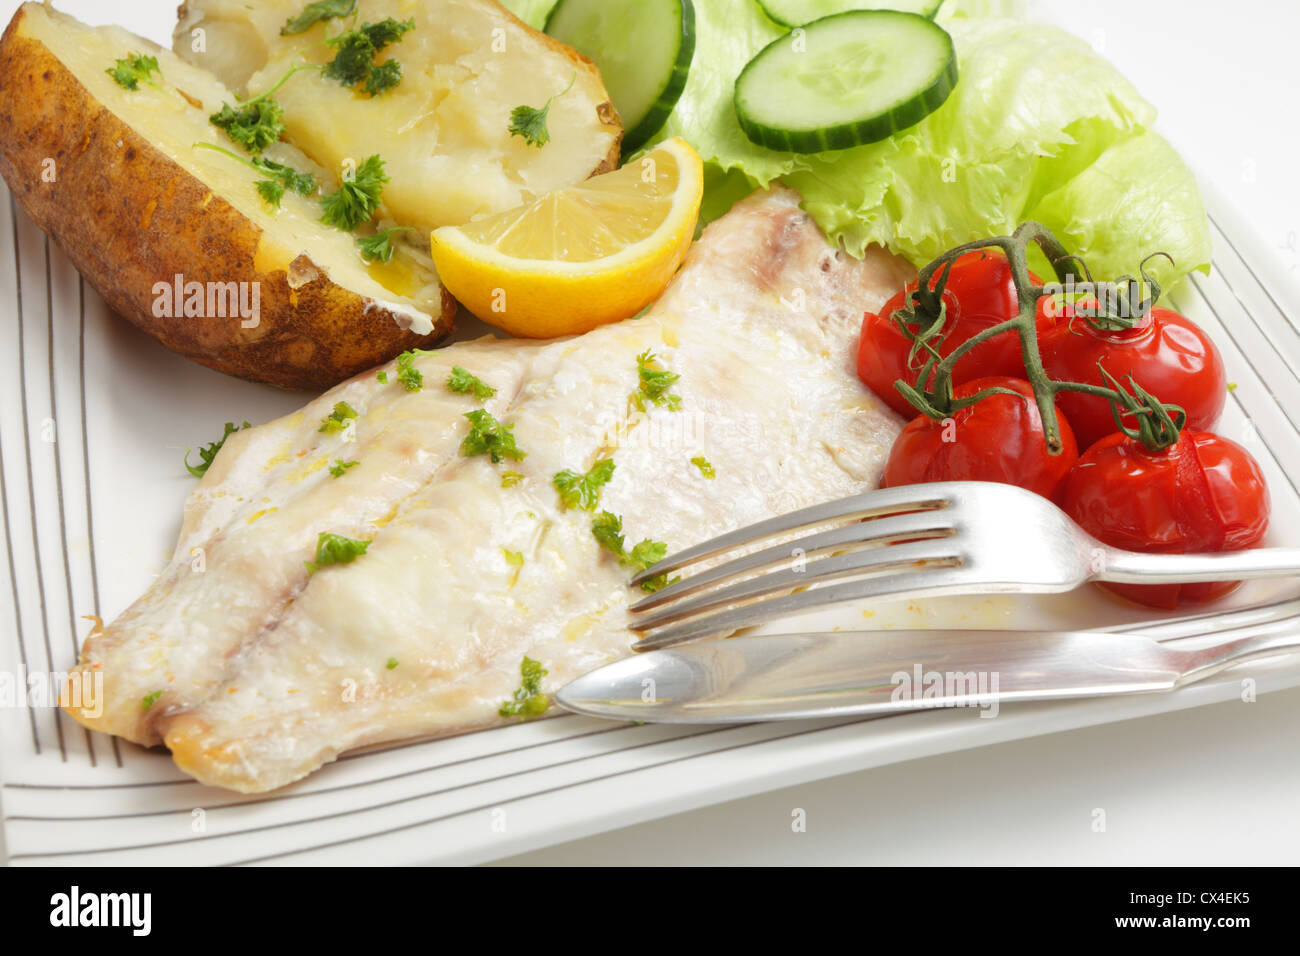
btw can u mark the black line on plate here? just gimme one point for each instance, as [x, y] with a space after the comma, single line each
[1259, 432]
[58, 484]
[350, 786]
[4, 496]
[85, 458]
[555, 789]
[390, 803]
[1263, 334]
[1245, 262]
[31, 497]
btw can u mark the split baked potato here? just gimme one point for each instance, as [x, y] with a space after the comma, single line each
[444, 131]
[172, 234]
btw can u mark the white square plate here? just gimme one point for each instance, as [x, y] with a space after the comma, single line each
[94, 420]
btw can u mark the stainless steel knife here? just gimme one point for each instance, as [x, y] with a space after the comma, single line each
[887, 672]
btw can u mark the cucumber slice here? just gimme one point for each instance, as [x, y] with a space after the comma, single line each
[845, 80]
[795, 13]
[643, 49]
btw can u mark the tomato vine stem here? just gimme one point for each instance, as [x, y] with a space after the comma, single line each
[924, 314]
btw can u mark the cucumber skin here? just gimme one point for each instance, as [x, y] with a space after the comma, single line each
[847, 135]
[934, 8]
[666, 102]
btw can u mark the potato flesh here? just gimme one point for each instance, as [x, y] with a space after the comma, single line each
[173, 125]
[444, 131]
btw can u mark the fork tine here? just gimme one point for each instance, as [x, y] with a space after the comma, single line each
[871, 504]
[882, 531]
[900, 585]
[897, 557]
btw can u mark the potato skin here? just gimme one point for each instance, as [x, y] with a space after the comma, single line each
[128, 217]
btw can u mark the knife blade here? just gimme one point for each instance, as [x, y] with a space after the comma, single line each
[879, 672]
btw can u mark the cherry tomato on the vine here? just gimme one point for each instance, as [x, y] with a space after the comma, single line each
[999, 438]
[979, 294]
[1205, 493]
[1166, 353]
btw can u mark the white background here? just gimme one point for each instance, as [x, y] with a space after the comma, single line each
[1218, 785]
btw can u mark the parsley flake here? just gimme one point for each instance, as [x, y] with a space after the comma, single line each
[129, 71]
[282, 177]
[513, 558]
[487, 436]
[528, 700]
[335, 549]
[583, 491]
[341, 466]
[355, 52]
[337, 420]
[607, 529]
[357, 197]
[530, 123]
[379, 247]
[706, 469]
[255, 125]
[407, 374]
[510, 478]
[392, 663]
[209, 451]
[655, 383]
[148, 700]
[462, 381]
[315, 13]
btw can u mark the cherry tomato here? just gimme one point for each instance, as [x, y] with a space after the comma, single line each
[1167, 354]
[999, 438]
[1205, 493]
[979, 294]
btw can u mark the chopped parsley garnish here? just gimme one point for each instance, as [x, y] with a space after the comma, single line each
[408, 375]
[656, 381]
[608, 530]
[357, 197]
[392, 663]
[341, 466]
[487, 436]
[148, 700]
[315, 13]
[379, 247]
[355, 51]
[128, 72]
[337, 420]
[530, 123]
[383, 77]
[256, 123]
[583, 491]
[706, 469]
[463, 382]
[528, 701]
[282, 177]
[382, 377]
[335, 549]
[513, 558]
[209, 451]
[510, 478]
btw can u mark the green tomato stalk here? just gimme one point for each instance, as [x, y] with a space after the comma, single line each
[1158, 424]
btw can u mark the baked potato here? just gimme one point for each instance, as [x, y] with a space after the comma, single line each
[444, 130]
[114, 176]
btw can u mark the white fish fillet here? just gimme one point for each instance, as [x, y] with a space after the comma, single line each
[266, 673]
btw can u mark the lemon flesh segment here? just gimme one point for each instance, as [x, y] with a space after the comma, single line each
[581, 256]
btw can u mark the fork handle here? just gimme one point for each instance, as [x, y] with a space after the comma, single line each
[1130, 567]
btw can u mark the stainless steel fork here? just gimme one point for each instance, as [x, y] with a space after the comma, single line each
[959, 537]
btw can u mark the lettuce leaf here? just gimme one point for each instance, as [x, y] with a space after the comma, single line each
[532, 12]
[1039, 127]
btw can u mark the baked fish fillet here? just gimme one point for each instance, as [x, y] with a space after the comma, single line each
[255, 673]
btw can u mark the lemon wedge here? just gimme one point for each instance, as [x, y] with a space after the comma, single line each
[581, 256]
